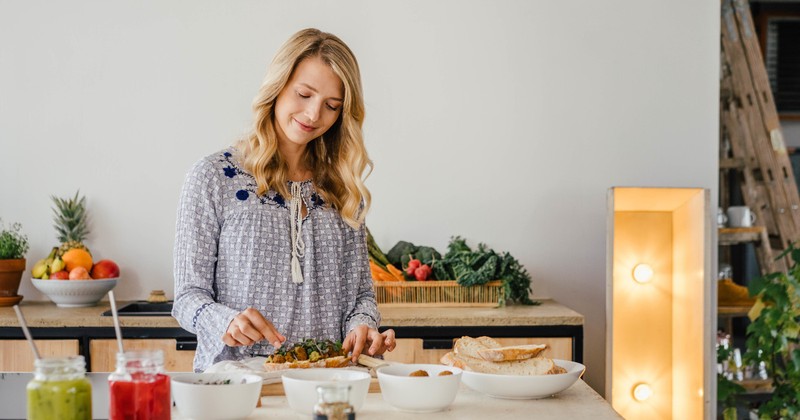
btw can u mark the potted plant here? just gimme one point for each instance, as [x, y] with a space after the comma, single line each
[13, 246]
[773, 337]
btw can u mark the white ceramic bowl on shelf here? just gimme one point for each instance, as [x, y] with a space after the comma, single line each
[419, 394]
[75, 293]
[524, 387]
[301, 385]
[207, 396]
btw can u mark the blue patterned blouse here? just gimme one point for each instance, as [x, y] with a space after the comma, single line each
[233, 250]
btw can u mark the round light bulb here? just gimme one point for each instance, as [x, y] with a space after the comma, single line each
[642, 392]
[643, 273]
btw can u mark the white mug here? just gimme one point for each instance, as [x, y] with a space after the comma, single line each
[740, 216]
[722, 219]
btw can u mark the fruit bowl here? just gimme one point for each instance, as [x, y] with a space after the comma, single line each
[75, 293]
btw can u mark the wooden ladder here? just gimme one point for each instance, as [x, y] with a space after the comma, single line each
[751, 141]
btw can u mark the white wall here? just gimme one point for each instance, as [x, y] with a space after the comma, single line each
[503, 122]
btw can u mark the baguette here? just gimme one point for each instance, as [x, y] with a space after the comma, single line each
[331, 362]
[309, 353]
[527, 367]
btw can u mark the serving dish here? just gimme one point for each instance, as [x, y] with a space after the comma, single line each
[75, 293]
[207, 396]
[415, 394]
[300, 386]
[523, 387]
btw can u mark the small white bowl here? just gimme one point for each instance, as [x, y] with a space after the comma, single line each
[301, 385]
[204, 396]
[418, 394]
[75, 293]
[525, 387]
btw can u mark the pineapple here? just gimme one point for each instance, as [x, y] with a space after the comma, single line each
[70, 223]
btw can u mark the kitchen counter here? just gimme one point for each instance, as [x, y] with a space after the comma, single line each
[46, 314]
[39, 314]
[577, 402]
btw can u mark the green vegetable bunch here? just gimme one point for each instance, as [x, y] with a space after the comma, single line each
[468, 267]
[13, 243]
[772, 337]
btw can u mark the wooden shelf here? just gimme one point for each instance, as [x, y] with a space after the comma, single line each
[731, 311]
[733, 236]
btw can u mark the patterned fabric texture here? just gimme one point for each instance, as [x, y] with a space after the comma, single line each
[233, 251]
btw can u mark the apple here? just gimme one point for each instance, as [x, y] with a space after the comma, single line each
[105, 269]
[60, 275]
[79, 273]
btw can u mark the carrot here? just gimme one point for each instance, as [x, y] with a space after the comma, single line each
[397, 274]
[379, 273]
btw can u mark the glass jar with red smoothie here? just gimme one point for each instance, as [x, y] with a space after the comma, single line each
[139, 388]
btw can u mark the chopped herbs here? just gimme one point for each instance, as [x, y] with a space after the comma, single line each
[218, 382]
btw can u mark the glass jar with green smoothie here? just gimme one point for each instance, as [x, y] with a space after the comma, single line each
[60, 390]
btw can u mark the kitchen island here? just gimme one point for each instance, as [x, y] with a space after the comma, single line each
[577, 402]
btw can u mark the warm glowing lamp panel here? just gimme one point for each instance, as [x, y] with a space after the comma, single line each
[658, 303]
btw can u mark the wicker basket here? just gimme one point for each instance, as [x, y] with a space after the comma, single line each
[437, 293]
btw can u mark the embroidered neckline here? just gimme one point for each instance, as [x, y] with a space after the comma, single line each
[272, 197]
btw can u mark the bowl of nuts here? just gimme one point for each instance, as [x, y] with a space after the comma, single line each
[419, 388]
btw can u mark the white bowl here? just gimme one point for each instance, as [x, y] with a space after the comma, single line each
[301, 385]
[201, 396]
[525, 387]
[418, 394]
[75, 293]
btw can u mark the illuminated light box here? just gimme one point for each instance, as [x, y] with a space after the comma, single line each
[659, 323]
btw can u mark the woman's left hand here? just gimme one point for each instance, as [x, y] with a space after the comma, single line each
[363, 336]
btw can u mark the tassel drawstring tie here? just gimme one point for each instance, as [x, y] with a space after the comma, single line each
[296, 222]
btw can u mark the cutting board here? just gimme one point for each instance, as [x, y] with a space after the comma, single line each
[363, 360]
[277, 389]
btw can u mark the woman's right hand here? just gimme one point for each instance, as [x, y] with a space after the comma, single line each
[249, 327]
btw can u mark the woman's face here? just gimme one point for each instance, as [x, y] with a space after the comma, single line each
[309, 104]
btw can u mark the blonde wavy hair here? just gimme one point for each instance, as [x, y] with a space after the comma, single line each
[338, 158]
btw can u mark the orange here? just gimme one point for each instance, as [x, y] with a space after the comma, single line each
[77, 257]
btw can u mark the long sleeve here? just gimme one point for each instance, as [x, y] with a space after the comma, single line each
[356, 266]
[195, 259]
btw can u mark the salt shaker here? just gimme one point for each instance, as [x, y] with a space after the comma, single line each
[334, 403]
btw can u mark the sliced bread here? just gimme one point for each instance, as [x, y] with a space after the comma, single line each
[503, 354]
[468, 346]
[489, 349]
[532, 366]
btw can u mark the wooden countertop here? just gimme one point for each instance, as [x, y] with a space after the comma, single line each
[47, 314]
[577, 402]
[548, 313]
[40, 314]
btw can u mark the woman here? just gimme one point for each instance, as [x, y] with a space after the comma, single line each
[271, 244]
